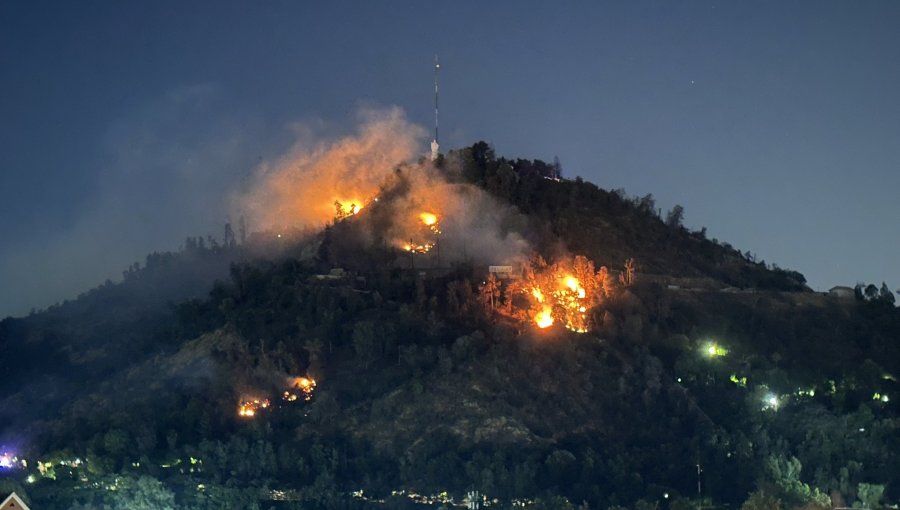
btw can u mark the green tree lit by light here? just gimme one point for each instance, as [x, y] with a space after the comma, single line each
[714, 350]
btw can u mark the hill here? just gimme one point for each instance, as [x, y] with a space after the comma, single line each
[345, 370]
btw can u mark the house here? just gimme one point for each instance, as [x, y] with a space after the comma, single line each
[842, 292]
[13, 502]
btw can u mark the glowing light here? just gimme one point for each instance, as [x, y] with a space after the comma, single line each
[771, 401]
[7, 460]
[574, 285]
[544, 319]
[714, 350]
[428, 218]
[740, 381]
[417, 248]
[306, 387]
[250, 408]
[558, 289]
[346, 208]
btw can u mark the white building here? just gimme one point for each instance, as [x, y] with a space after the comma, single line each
[842, 292]
[13, 502]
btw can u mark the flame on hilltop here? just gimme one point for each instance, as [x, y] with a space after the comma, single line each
[372, 183]
[304, 188]
[345, 208]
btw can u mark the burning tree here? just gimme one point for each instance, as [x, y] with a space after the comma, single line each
[559, 293]
[428, 230]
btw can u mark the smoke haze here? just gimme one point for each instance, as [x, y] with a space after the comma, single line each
[381, 173]
[167, 171]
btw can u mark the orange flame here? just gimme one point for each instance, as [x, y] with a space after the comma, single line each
[428, 218]
[304, 384]
[544, 319]
[417, 248]
[249, 408]
[561, 293]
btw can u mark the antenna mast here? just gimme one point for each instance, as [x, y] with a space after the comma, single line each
[435, 147]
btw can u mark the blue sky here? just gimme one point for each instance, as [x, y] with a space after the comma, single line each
[125, 125]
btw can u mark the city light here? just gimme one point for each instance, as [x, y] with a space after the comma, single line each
[714, 350]
[770, 401]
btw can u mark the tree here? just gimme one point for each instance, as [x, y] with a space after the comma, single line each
[646, 203]
[314, 349]
[365, 342]
[784, 474]
[490, 292]
[675, 216]
[145, 493]
[871, 292]
[886, 294]
[869, 495]
[557, 168]
[627, 276]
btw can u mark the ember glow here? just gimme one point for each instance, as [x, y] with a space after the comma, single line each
[249, 408]
[301, 388]
[413, 247]
[428, 218]
[346, 208]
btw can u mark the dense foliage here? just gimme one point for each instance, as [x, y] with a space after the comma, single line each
[765, 394]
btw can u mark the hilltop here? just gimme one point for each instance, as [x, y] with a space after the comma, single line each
[435, 377]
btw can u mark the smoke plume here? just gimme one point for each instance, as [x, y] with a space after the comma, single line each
[379, 180]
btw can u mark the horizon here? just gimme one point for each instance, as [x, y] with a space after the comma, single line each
[131, 127]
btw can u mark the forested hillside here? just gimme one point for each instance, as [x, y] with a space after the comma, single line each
[332, 369]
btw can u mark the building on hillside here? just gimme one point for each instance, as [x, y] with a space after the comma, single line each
[842, 292]
[13, 502]
[504, 272]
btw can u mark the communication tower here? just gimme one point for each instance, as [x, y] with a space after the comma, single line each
[435, 146]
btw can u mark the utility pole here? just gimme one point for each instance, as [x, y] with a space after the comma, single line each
[699, 494]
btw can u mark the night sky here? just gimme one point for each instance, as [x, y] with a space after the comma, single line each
[125, 126]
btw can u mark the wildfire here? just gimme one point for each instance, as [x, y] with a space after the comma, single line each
[571, 295]
[306, 387]
[417, 248]
[561, 293]
[249, 408]
[544, 318]
[573, 285]
[428, 218]
[346, 208]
